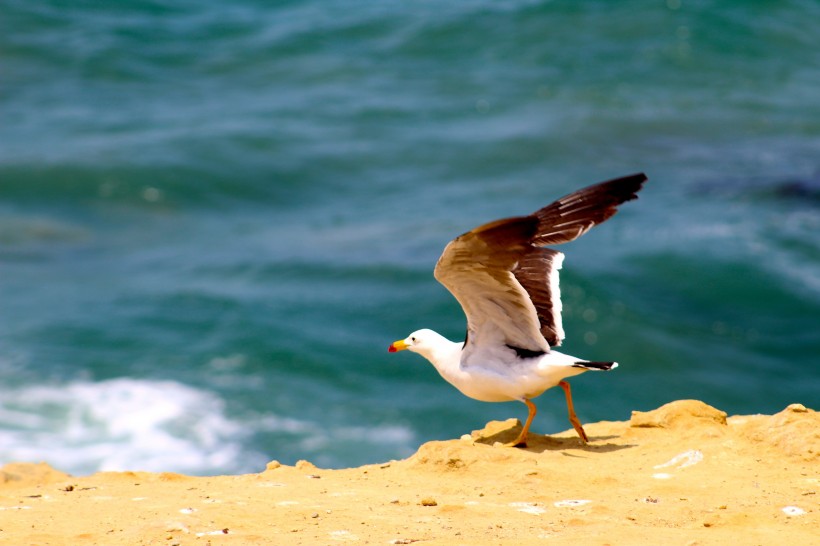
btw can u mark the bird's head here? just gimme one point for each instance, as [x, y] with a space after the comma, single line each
[420, 341]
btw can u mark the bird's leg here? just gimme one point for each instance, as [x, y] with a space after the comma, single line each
[521, 441]
[576, 424]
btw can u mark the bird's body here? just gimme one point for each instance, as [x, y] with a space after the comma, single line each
[498, 374]
[507, 283]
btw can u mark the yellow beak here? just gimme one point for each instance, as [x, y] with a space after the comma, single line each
[399, 345]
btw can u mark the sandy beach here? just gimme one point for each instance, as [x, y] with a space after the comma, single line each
[681, 474]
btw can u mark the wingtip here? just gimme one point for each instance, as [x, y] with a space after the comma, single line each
[633, 183]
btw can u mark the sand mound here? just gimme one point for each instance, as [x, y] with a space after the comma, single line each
[682, 474]
[680, 414]
[27, 474]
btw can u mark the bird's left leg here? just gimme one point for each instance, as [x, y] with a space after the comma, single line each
[576, 424]
[521, 441]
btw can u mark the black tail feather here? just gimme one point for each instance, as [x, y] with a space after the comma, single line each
[605, 366]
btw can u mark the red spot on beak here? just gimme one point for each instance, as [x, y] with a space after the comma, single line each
[392, 349]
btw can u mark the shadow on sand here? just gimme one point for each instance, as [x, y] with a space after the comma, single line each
[537, 443]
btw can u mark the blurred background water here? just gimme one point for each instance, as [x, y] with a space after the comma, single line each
[214, 217]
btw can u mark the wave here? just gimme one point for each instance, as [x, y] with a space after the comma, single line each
[165, 426]
[120, 424]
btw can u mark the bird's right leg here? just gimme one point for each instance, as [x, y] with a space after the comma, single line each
[576, 424]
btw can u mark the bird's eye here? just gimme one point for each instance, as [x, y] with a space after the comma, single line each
[413, 339]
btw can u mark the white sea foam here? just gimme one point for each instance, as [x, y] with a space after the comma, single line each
[136, 424]
[121, 424]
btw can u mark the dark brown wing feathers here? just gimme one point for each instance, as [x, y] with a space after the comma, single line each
[533, 273]
[571, 216]
[509, 232]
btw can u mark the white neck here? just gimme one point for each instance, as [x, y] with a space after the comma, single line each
[442, 353]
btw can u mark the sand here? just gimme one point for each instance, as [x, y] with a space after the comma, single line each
[683, 474]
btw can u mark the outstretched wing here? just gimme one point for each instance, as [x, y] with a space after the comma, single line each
[477, 268]
[504, 279]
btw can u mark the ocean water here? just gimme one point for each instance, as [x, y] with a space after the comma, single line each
[215, 217]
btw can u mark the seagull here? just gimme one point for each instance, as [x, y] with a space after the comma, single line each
[506, 281]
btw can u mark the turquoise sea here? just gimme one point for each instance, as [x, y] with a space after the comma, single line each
[215, 216]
